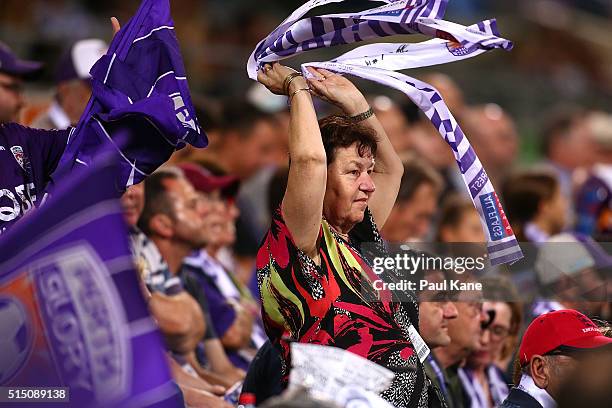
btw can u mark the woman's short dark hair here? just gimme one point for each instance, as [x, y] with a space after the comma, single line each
[524, 192]
[339, 131]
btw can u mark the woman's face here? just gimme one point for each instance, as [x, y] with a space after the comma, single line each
[349, 187]
[497, 333]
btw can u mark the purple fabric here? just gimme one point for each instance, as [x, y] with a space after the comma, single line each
[27, 157]
[140, 107]
[10, 64]
[223, 312]
[593, 206]
[218, 305]
[71, 300]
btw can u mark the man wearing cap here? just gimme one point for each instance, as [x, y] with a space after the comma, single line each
[27, 156]
[12, 72]
[73, 85]
[547, 357]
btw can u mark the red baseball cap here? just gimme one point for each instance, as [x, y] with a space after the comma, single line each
[568, 328]
[203, 180]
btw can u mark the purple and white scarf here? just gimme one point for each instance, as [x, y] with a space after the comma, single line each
[378, 62]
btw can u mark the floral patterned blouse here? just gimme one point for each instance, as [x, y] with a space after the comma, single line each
[335, 304]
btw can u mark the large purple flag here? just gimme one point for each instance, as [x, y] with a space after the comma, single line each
[140, 105]
[71, 310]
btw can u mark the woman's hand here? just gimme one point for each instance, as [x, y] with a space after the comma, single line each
[338, 90]
[273, 77]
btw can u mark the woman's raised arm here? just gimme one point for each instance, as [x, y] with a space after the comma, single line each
[303, 201]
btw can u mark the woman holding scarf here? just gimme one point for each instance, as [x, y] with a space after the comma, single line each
[315, 278]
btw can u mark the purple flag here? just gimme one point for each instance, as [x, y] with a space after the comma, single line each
[140, 105]
[71, 310]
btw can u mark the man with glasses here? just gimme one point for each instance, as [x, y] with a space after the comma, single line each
[548, 356]
[465, 332]
[483, 381]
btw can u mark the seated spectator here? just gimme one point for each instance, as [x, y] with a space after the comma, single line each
[567, 271]
[535, 205]
[394, 122]
[12, 73]
[429, 146]
[494, 138]
[416, 203]
[229, 301]
[459, 221]
[548, 356]
[249, 140]
[460, 228]
[73, 85]
[435, 311]
[505, 298]
[450, 91]
[177, 314]
[173, 218]
[567, 146]
[589, 384]
[466, 333]
[484, 381]
[593, 210]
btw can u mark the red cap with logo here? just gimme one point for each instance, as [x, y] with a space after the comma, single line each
[552, 330]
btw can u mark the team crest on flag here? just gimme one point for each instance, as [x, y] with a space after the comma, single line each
[71, 309]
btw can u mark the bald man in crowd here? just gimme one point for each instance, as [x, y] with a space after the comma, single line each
[494, 138]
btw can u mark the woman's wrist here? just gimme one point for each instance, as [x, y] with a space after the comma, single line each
[297, 83]
[356, 107]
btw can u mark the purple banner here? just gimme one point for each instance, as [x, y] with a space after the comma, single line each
[140, 106]
[71, 309]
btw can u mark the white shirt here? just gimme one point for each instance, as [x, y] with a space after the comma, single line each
[542, 396]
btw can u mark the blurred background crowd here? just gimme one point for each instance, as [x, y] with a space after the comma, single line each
[539, 118]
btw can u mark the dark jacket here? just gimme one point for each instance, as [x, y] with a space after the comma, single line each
[520, 399]
[435, 380]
